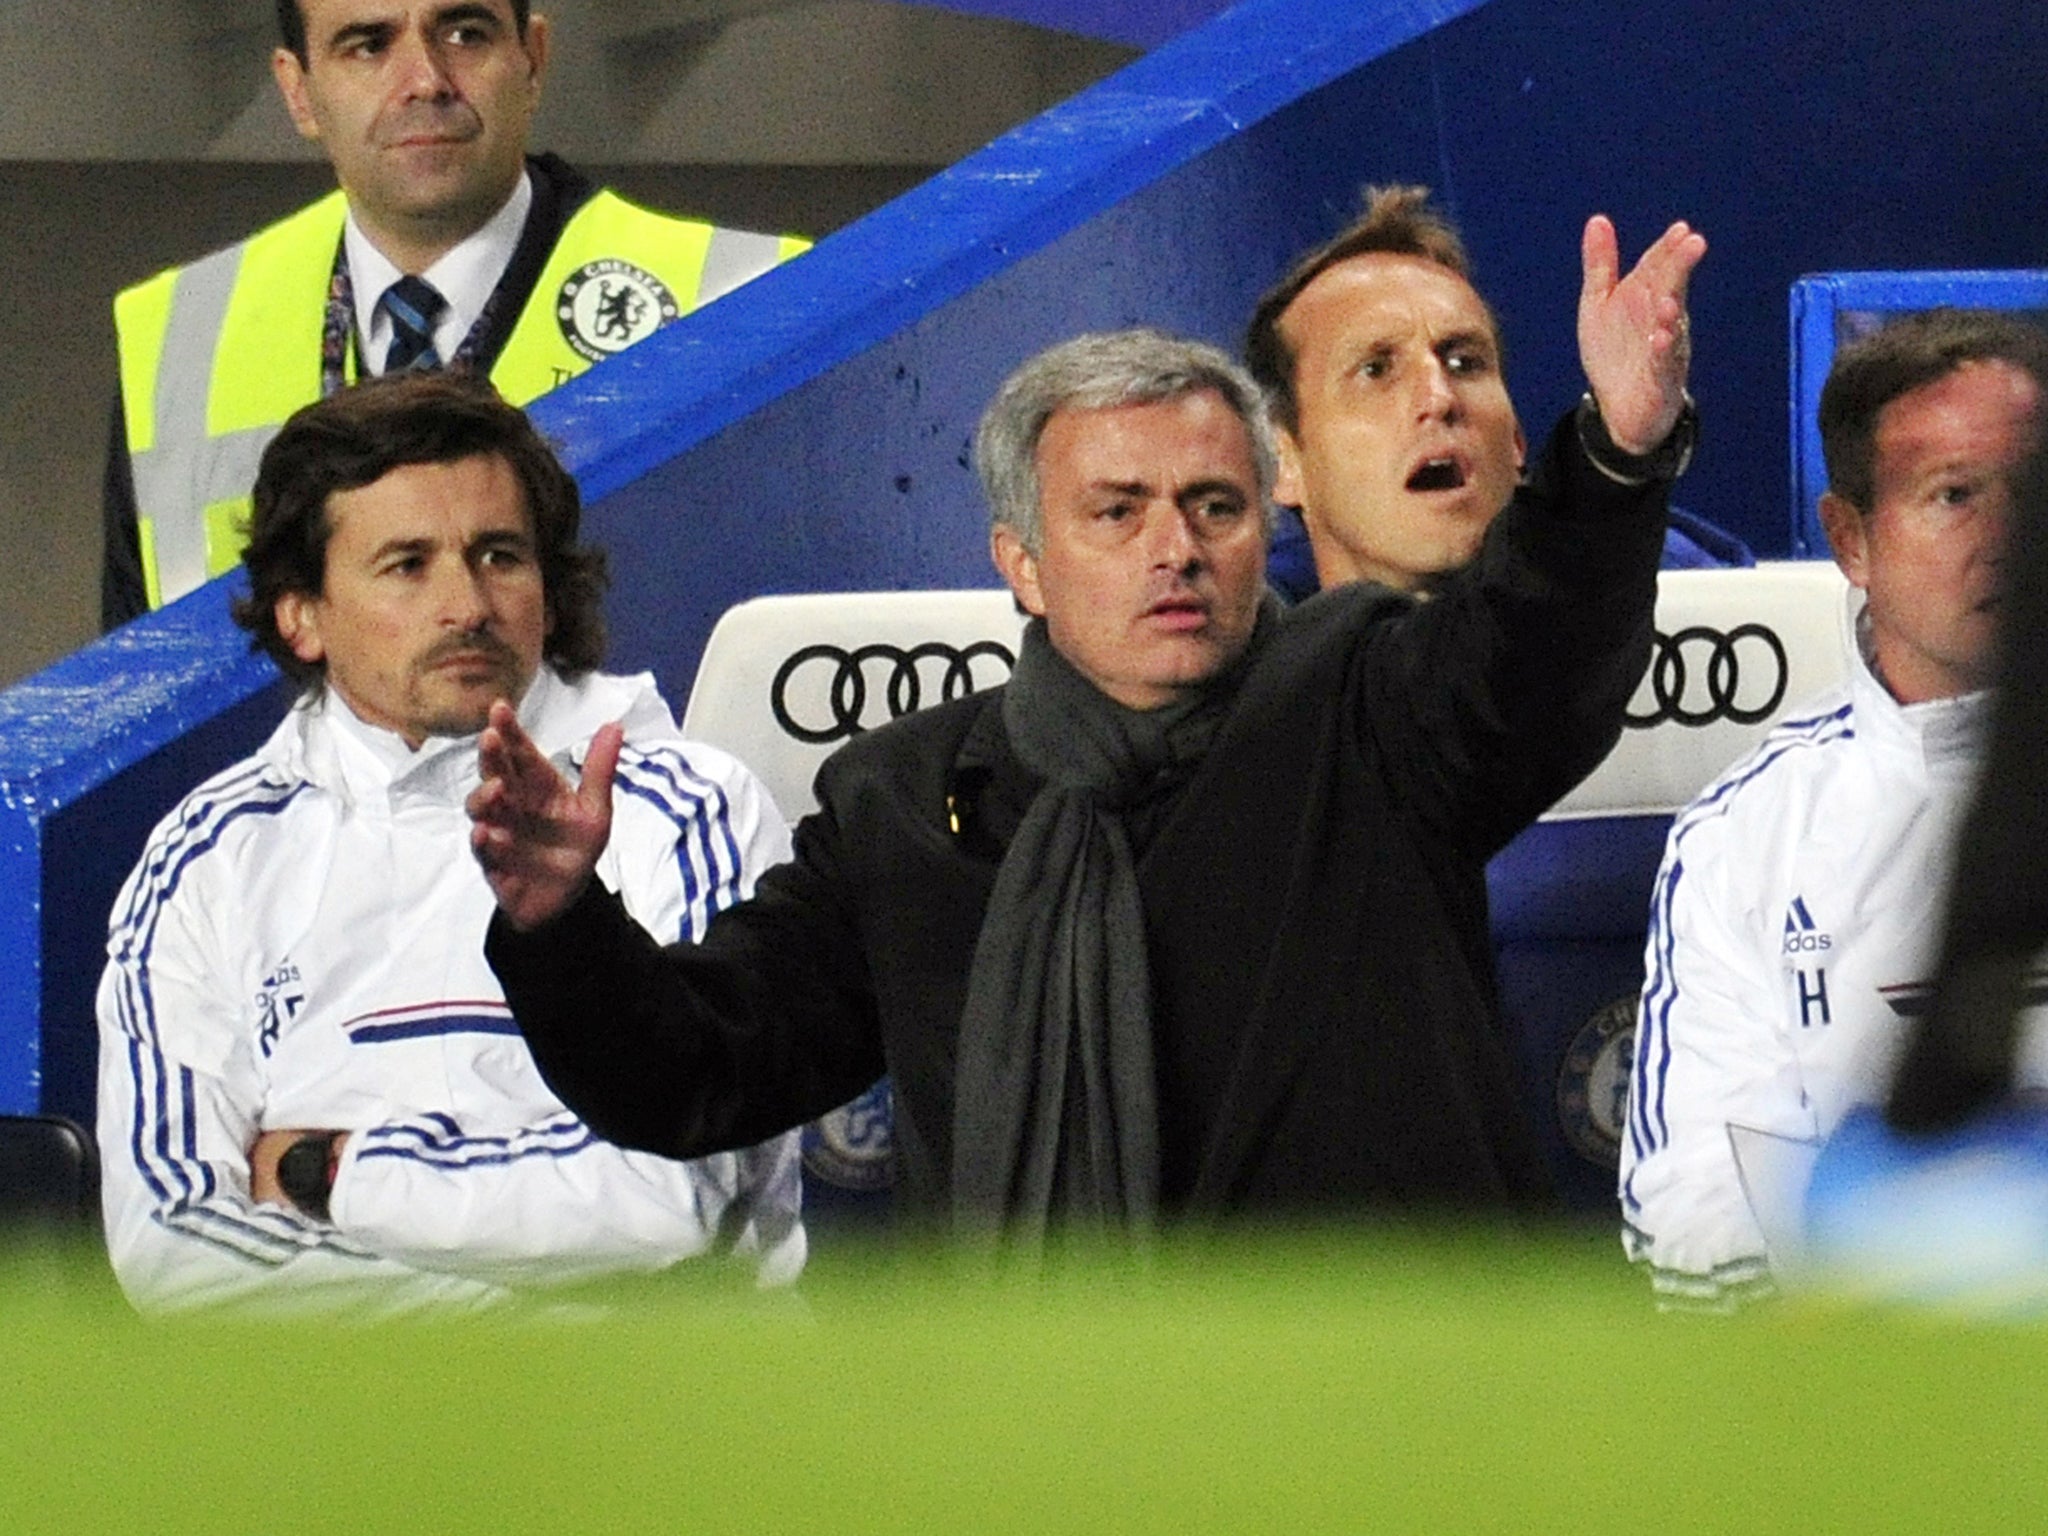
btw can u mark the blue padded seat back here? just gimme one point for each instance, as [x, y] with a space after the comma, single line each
[1736, 649]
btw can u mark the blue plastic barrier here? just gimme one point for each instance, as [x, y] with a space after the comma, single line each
[92, 752]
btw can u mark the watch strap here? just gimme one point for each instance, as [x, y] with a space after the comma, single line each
[305, 1172]
[1665, 462]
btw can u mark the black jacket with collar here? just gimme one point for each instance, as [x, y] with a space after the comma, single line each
[1326, 1035]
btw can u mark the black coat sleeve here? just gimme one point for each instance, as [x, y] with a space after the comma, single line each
[1505, 689]
[123, 594]
[767, 1023]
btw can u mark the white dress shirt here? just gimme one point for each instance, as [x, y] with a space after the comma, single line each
[464, 277]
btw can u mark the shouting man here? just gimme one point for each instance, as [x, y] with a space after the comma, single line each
[1186, 918]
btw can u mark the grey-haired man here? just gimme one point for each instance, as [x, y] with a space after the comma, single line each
[1185, 919]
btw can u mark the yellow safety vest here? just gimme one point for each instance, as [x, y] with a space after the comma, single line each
[215, 356]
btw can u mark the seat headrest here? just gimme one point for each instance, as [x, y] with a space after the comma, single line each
[786, 680]
[1735, 650]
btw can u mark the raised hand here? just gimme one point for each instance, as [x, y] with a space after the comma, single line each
[1635, 342]
[537, 836]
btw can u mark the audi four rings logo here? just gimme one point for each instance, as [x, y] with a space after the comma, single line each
[835, 684]
[1701, 675]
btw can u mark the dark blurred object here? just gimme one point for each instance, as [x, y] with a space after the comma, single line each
[49, 1177]
[1959, 1062]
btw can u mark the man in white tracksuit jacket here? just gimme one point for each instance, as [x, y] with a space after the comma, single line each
[1795, 919]
[297, 961]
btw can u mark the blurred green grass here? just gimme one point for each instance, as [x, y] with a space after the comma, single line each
[1393, 1379]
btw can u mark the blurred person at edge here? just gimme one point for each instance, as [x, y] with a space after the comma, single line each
[1795, 918]
[1941, 1199]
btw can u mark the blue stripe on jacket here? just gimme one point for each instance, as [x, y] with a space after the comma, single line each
[702, 815]
[1648, 1127]
[164, 1139]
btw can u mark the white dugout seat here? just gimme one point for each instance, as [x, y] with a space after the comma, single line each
[785, 680]
[783, 683]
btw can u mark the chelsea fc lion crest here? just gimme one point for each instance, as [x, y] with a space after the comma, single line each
[606, 306]
[1592, 1083]
[854, 1146]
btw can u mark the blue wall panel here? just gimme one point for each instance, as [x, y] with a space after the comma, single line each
[93, 751]
[1798, 141]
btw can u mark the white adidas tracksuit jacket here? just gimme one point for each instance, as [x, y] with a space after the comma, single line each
[302, 946]
[1793, 932]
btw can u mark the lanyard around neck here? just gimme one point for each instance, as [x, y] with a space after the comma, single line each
[341, 348]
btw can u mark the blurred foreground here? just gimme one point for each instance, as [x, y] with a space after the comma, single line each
[1395, 1380]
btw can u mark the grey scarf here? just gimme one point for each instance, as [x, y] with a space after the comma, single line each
[1055, 1113]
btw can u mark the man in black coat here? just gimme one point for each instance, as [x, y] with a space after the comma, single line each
[1181, 920]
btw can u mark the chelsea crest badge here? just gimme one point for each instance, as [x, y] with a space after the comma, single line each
[607, 305]
[1592, 1082]
[854, 1146]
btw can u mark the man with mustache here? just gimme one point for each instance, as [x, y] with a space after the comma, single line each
[1180, 921]
[446, 244]
[311, 1092]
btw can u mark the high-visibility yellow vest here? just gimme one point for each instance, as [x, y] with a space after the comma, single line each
[215, 356]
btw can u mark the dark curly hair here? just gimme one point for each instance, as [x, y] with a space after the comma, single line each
[358, 436]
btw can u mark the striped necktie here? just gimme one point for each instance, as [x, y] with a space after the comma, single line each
[413, 304]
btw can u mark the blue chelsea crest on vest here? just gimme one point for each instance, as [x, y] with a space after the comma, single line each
[607, 305]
